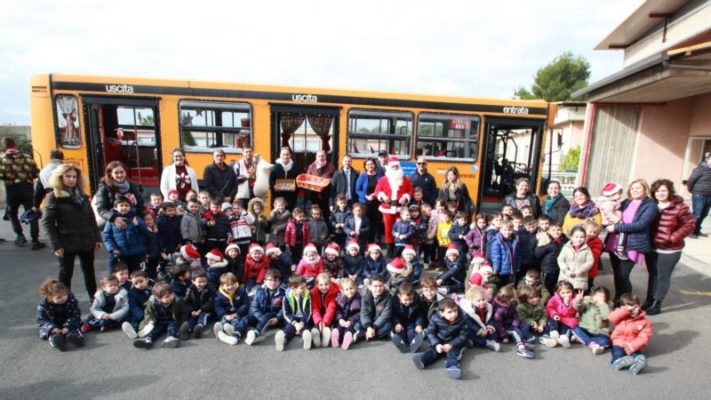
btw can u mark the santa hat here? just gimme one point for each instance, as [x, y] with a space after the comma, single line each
[310, 247]
[610, 188]
[397, 265]
[226, 206]
[409, 249]
[334, 249]
[373, 246]
[215, 255]
[352, 244]
[392, 159]
[233, 246]
[171, 191]
[486, 267]
[271, 248]
[478, 257]
[452, 249]
[189, 252]
[256, 247]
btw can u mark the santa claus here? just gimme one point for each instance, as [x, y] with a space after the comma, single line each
[394, 191]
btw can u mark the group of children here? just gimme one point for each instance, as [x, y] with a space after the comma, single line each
[490, 282]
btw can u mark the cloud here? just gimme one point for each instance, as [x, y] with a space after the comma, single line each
[478, 49]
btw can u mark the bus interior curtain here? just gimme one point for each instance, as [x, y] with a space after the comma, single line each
[321, 124]
[289, 124]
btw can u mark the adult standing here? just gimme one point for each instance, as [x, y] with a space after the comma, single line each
[321, 167]
[556, 206]
[423, 179]
[113, 185]
[284, 168]
[178, 176]
[245, 174]
[523, 197]
[219, 178]
[699, 184]
[71, 226]
[382, 161]
[582, 209]
[394, 191]
[638, 215]
[675, 222]
[42, 187]
[365, 188]
[344, 182]
[453, 189]
[18, 171]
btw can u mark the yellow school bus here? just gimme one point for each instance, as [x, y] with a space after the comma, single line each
[98, 119]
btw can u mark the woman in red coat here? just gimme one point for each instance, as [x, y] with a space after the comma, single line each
[675, 222]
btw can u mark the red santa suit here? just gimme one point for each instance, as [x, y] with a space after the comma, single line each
[392, 199]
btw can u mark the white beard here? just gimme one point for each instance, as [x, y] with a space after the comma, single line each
[395, 178]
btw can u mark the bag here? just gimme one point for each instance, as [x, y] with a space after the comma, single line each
[100, 221]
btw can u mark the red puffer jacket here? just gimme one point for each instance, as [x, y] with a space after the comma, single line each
[290, 233]
[328, 304]
[674, 224]
[632, 334]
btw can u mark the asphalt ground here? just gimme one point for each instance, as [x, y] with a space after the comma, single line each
[109, 367]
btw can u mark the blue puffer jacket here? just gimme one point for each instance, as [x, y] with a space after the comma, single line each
[639, 230]
[261, 304]
[129, 241]
[441, 331]
[238, 304]
[505, 255]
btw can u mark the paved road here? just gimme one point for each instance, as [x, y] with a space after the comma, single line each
[110, 368]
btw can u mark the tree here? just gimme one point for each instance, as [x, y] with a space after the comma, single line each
[557, 80]
[569, 161]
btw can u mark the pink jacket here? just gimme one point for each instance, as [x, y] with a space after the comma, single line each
[632, 334]
[309, 270]
[566, 313]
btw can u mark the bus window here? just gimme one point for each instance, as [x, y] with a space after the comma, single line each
[205, 126]
[67, 121]
[443, 136]
[370, 131]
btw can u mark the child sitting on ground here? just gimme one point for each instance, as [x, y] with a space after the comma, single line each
[631, 335]
[216, 265]
[120, 271]
[532, 278]
[348, 325]
[561, 314]
[109, 308]
[480, 313]
[376, 310]
[280, 261]
[138, 295]
[200, 300]
[452, 279]
[374, 264]
[164, 314]
[532, 313]
[256, 266]
[399, 274]
[179, 280]
[310, 265]
[575, 260]
[235, 264]
[447, 334]
[297, 314]
[353, 262]
[231, 304]
[58, 316]
[332, 262]
[409, 319]
[593, 329]
[266, 308]
[507, 322]
[412, 262]
[486, 279]
[430, 295]
[323, 304]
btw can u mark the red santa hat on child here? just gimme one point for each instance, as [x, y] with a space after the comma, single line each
[610, 188]
[352, 244]
[478, 257]
[477, 278]
[256, 247]
[396, 266]
[452, 249]
[272, 248]
[373, 247]
[310, 247]
[486, 267]
[409, 249]
[233, 246]
[215, 255]
[189, 252]
[333, 249]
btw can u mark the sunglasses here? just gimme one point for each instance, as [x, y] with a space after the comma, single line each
[421, 163]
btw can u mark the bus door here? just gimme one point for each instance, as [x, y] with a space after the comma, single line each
[511, 151]
[126, 130]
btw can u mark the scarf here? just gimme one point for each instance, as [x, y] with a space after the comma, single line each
[584, 212]
[548, 204]
[286, 167]
[122, 187]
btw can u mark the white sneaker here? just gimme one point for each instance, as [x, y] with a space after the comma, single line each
[251, 337]
[228, 329]
[547, 341]
[217, 329]
[128, 330]
[493, 345]
[146, 330]
[280, 340]
[171, 342]
[326, 337]
[554, 335]
[316, 335]
[225, 338]
[564, 341]
[306, 337]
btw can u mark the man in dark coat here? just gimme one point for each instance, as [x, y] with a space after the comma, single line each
[219, 178]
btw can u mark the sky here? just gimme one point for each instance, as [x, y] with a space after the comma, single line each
[476, 48]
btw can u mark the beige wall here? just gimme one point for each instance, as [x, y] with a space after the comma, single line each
[700, 124]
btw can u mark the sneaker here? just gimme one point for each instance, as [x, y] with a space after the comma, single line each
[146, 330]
[416, 343]
[38, 245]
[547, 341]
[564, 341]
[76, 340]
[523, 351]
[227, 339]
[398, 342]
[184, 333]
[197, 332]
[622, 363]
[57, 341]
[575, 340]
[217, 329]
[280, 340]
[127, 328]
[228, 329]
[493, 345]
[316, 335]
[596, 348]
[417, 359]
[325, 336]
[146, 343]
[307, 338]
[347, 340]
[251, 337]
[638, 365]
[86, 328]
[171, 342]
[555, 335]
[335, 338]
[454, 372]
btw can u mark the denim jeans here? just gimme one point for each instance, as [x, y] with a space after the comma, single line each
[701, 206]
[554, 325]
[239, 324]
[587, 338]
[408, 333]
[618, 352]
[480, 341]
[290, 330]
[160, 327]
[199, 320]
[261, 323]
[454, 356]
